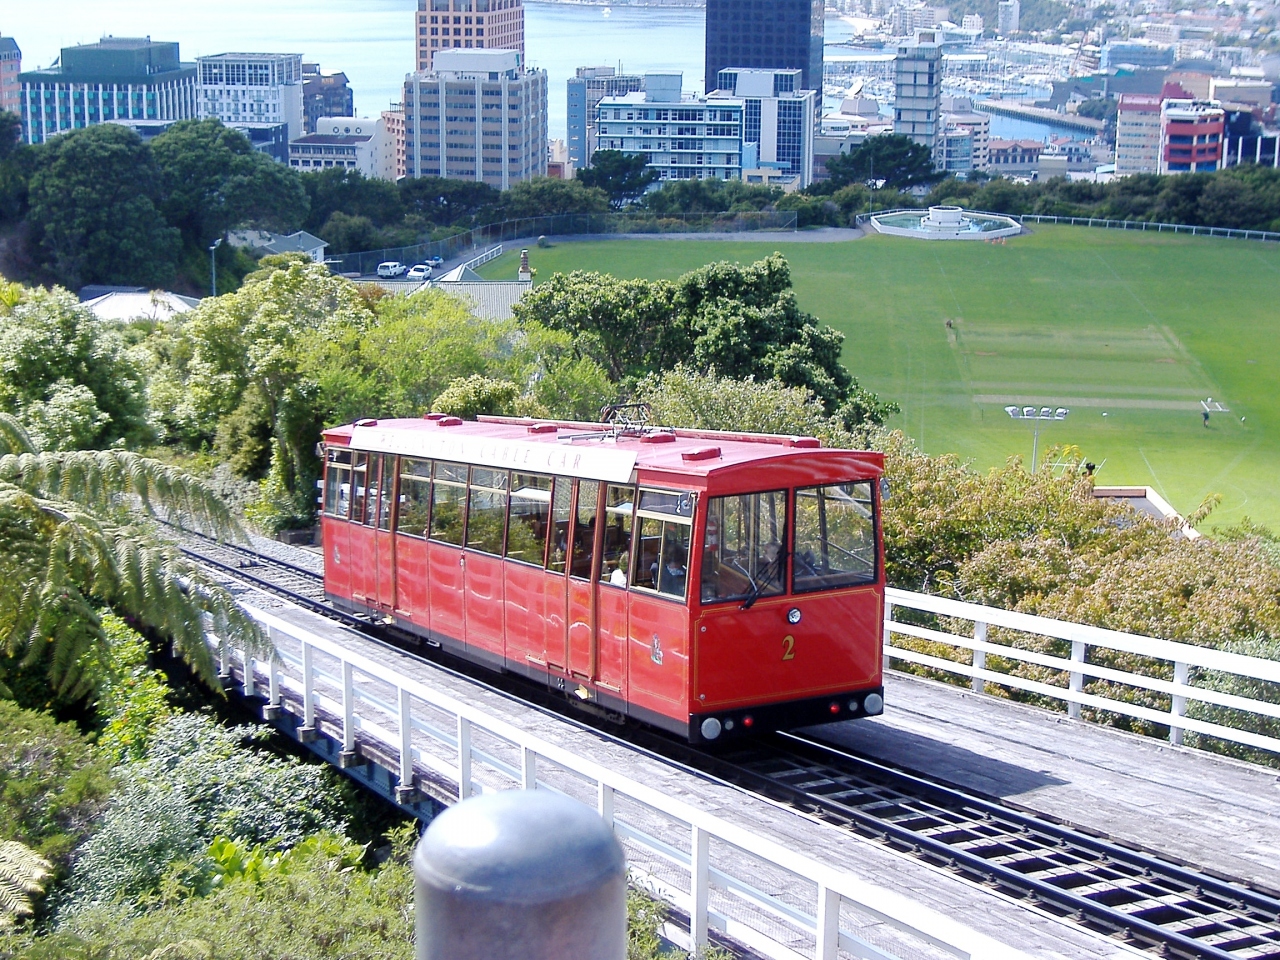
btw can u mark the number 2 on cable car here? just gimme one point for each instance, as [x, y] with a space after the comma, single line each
[788, 647]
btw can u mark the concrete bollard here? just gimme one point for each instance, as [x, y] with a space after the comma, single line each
[520, 875]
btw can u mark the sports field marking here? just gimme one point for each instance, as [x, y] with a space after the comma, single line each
[1125, 404]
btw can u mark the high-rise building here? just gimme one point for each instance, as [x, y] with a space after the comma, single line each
[117, 78]
[958, 113]
[917, 75]
[477, 116]
[973, 21]
[1138, 134]
[1191, 136]
[777, 35]
[325, 94]
[1008, 13]
[684, 139]
[777, 118]
[253, 87]
[469, 25]
[585, 91]
[393, 120]
[10, 67]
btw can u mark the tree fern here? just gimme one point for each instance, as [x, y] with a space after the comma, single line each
[22, 876]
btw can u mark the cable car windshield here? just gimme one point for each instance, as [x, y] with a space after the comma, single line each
[743, 555]
[835, 537]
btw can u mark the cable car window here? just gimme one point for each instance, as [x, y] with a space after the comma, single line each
[742, 549]
[835, 544]
[665, 521]
[415, 497]
[584, 529]
[488, 513]
[561, 502]
[448, 502]
[619, 504]
[337, 483]
[359, 486]
[385, 490]
[530, 511]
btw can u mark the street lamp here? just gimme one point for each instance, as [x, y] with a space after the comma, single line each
[213, 267]
[1036, 415]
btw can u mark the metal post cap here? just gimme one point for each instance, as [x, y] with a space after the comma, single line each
[520, 873]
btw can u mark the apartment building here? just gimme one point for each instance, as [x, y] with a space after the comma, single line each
[1008, 17]
[10, 67]
[117, 78]
[253, 87]
[325, 93]
[917, 77]
[393, 121]
[694, 138]
[1138, 134]
[584, 92]
[477, 116]
[778, 120]
[468, 25]
[1191, 133]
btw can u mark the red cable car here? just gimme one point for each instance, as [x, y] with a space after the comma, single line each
[707, 583]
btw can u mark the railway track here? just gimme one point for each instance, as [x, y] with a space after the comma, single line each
[1141, 898]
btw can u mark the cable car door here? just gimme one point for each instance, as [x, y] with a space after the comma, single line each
[556, 600]
[384, 543]
[582, 618]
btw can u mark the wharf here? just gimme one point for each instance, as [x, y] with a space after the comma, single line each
[1009, 922]
[1216, 814]
[1040, 114]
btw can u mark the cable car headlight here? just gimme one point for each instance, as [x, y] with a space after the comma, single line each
[874, 703]
[793, 616]
[710, 728]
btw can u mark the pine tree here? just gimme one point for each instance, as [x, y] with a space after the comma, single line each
[77, 534]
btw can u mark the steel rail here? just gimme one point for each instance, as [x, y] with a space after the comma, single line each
[893, 795]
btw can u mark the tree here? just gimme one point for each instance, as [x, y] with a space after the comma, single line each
[211, 179]
[350, 192]
[476, 395]
[545, 197]
[93, 213]
[10, 134]
[446, 201]
[71, 542]
[897, 161]
[346, 234]
[624, 178]
[709, 196]
[67, 375]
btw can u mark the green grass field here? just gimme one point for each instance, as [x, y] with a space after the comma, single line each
[1139, 327]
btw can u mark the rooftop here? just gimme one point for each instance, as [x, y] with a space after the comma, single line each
[337, 140]
[115, 59]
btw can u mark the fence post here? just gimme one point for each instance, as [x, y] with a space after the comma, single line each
[464, 758]
[271, 711]
[888, 621]
[348, 757]
[1178, 708]
[528, 768]
[405, 790]
[828, 924]
[307, 732]
[977, 684]
[604, 803]
[1077, 678]
[699, 887]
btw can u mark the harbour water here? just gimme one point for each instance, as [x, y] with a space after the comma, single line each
[373, 40]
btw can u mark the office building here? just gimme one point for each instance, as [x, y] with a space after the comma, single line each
[958, 113]
[917, 77]
[393, 123]
[955, 150]
[1135, 53]
[349, 143]
[271, 139]
[1138, 134]
[116, 78]
[1008, 13]
[779, 35]
[1191, 133]
[684, 139]
[973, 21]
[1013, 157]
[254, 88]
[325, 94]
[10, 67]
[585, 91]
[477, 116]
[1251, 90]
[468, 25]
[777, 121]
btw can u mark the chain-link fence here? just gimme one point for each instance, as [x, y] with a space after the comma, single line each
[563, 225]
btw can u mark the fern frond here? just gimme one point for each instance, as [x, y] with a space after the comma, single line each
[22, 876]
[14, 438]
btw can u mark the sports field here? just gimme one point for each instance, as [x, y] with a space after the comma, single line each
[1130, 331]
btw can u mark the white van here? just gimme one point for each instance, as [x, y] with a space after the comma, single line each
[392, 268]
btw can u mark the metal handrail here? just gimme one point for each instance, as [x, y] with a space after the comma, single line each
[1183, 656]
[819, 920]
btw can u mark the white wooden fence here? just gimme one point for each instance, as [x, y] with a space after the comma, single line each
[1184, 658]
[714, 871]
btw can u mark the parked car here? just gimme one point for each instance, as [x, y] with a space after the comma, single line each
[392, 268]
[418, 271]
[435, 261]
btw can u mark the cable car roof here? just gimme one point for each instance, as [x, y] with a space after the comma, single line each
[593, 451]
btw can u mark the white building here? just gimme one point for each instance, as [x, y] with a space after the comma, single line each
[1138, 134]
[684, 139]
[917, 80]
[354, 143]
[478, 115]
[973, 21]
[958, 113]
[1007, 15]
[778, 119]
[255, 87]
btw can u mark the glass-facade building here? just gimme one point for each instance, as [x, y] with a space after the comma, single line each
[583, 95]
[778, 118]
[765, 35]
[118, 78]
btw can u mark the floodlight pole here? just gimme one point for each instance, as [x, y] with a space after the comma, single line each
[1035, 416]
[213, 267]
